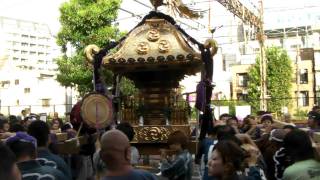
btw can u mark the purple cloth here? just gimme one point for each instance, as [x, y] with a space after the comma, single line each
[24, 137]
[201, 96]
[53, 138]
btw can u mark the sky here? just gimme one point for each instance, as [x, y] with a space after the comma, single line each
[47, 11]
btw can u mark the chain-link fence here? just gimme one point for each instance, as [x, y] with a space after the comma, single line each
[297, 108]
[36, 109]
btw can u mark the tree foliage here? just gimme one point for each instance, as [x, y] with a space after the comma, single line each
[85, 22]
[279, 77]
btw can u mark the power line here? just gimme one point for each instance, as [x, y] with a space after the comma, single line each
[129, 12]
[293, 9]
[143, 4]
[286, 7]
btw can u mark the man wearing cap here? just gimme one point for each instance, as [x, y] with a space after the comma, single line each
[24, 147]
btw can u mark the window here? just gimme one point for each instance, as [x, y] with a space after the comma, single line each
[24, 52]
[40, 53]
[318, 98]
[26, 90]
[16, 82]
[15, 58]
[303, 40]
[295, 46]
[32, 37]
[24, 44]
[46, 76]
[40, 61]
[242, 96]
[303, 76]
[22, 67]
[32, 45]
[282, 42]
[224, 64]
[15, 51]
[45, 102]
[243, 79]
[23, 60]
[32, 53]
[303, 98]
[5, 84]
[24, 36]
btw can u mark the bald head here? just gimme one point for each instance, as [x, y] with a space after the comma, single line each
[114, 139]
[115, 149]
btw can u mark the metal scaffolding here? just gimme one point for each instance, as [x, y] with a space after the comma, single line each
[248, 17]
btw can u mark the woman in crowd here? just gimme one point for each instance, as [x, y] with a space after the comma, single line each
[228, 160]
[250, 127]
[4, 126]
[299, 148]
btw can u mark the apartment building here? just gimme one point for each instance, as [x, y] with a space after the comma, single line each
[240, 79]
[303, 92]
[28, 69]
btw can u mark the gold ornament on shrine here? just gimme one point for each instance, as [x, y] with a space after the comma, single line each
[177, 7]
[153, 35]
[142, 48]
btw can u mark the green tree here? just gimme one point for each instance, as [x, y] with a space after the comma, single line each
[85, 22]
[279, 77]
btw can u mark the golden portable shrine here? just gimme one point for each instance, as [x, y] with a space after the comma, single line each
[155, 55]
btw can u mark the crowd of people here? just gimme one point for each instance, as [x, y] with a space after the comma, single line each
[232, 150]
[257, 149]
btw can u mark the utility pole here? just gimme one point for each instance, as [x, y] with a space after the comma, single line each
[248, 17]
[263, 62]
[298, 59]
